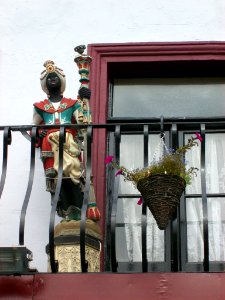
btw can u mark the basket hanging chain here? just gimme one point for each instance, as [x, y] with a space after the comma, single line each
[161, 149]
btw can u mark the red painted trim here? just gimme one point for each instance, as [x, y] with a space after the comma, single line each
[16, 287]
[105, 54]
[99, 286]
[132, 286]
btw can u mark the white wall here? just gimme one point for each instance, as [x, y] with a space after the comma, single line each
[33, 31]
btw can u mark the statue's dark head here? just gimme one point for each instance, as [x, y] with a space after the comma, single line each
[53, 83]
[53, 80]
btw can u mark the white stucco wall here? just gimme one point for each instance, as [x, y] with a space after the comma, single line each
[33, 31]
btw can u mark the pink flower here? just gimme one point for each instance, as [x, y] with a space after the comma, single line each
[140, 201]
[198, 136]
[119, 172]
[108, 159]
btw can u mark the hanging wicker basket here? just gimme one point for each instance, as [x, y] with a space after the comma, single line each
[161, 194]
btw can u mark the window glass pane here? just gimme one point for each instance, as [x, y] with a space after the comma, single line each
[131, 156]
[215, 163]
[128, 233]
[171, 97]
[192, 159]
[216, 213]
[155, 240]
[194, 229]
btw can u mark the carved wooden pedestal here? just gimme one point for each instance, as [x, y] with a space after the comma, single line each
[67, 247]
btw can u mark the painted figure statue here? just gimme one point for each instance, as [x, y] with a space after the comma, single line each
[57, 109]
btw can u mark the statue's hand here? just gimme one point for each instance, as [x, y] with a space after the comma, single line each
[84, 93]
[43, 133]
[93, 212]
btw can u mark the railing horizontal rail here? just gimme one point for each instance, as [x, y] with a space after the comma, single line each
[125, 124]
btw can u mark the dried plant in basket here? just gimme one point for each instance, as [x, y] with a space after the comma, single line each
[162, 183]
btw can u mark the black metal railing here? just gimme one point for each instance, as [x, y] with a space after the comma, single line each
[173, 127]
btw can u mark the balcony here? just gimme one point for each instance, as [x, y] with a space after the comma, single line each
[113, 269]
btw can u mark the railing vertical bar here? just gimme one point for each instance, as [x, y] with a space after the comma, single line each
[7, 139]
[114, 203]
[144, 216]
[84, 265]
[175, 261]
[183, 224]
[204, 203]
[55, 198]
[29, 186]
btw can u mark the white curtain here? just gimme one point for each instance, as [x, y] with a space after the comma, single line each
[129, 213]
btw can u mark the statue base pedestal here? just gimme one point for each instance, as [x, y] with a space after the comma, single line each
[67, 246]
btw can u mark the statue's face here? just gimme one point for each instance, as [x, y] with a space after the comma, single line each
[53, 82]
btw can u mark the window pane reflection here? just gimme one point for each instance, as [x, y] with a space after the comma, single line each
[192, 159]
[131, 156]
[216, 217]
[128, 233]
[194, 229]
[215, 163]
[171, 97]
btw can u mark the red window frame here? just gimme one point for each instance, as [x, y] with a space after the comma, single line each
[208, 54]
